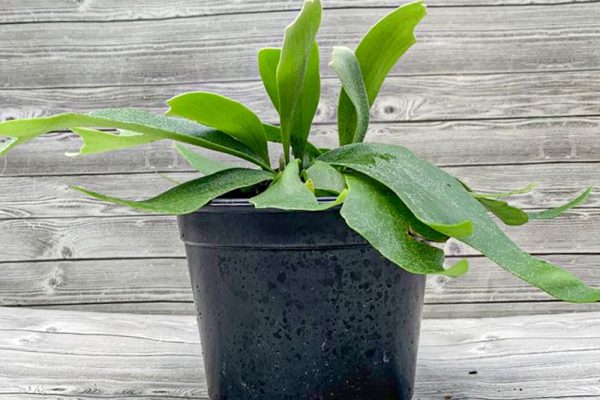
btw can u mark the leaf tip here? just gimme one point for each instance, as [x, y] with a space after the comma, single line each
[458, 269]
[458, 230]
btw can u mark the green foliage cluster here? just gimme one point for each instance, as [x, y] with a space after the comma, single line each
[398, 202]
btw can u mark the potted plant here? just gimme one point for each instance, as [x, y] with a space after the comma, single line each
[309, 276]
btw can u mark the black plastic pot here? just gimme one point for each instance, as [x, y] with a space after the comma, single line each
[296, 305]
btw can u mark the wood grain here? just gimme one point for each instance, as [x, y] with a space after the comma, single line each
[500, 92]
[223, 47]
[166, 280]
[520, 141]
[402, 98]
[157, 236]
[51, 196]
[19, 11]
[89, 356]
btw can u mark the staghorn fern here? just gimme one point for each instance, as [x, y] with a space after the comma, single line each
[398, 202]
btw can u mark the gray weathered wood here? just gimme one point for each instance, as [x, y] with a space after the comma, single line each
[519, 141]
[490, 86]
[15, 11]
[575, 232]
[87, 355]
[402, 98]
[219, 48]
[166, 280]
[431, 310]
[51, 196]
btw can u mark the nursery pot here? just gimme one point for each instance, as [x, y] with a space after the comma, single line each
[296, 305]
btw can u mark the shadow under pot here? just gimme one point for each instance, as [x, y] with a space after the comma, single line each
[296, 305]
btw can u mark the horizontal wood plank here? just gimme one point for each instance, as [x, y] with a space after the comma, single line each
[220, 48]
[449, 143]
[402, 98]
[19, 11]
[576, 232]
[51, 196]
[166, 280]
[92, 356]
[431, 311]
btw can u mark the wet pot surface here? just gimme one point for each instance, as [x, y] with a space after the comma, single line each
[295, 305]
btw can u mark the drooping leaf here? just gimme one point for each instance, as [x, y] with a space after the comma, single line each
[345, 64]
[290, 193]
[377, 53]
[298, 45]
[155, 126]
[202, 164]
[508, 214]
[268, 58]
[95, 141]
[440, 201]
[383, 220]
[555, 212]
[396, 167]
[524, 190]
[224, 114]
[325, 177]
[191, 196]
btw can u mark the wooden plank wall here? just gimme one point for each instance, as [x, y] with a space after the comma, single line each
[499, 92]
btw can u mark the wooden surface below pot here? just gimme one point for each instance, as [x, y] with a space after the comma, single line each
[65, 354]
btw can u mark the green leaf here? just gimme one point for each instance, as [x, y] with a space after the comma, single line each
[202, 164]
[325, 177]
[413, 180]
[153, 125]
[307, 105]
[268, 58]
[224, 114]
[377, 53]
[439, 200]
[426, 232]
[508, 214]
[555, 212]
[524, 190]
[347, 68]
[193, 195]
[95, 141]
[307, 102]
[298, 45]
[379, 216]
[288, 192]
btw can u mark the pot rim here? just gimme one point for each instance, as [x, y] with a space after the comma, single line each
[224, 202]
[244, 205]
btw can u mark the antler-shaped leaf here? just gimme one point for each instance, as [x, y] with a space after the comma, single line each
[154, 126]
[224, 114]
[95, 141]
[508, 214]
[383, 220]
[514, 216]
[441, 201]
[377, 53]
[190, 196]
[555, 212]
